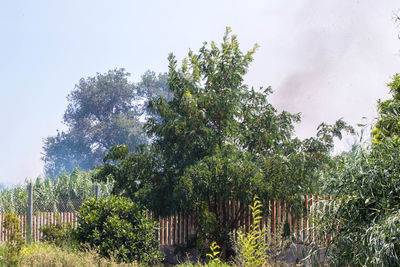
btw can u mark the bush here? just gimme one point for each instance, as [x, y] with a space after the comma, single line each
[57, 234]
[251, 247]
[15, 241]
[116, 227]
[362, 220]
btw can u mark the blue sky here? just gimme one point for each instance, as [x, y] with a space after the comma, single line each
[326, 59]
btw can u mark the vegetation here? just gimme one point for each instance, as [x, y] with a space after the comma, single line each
[362, 221]
[59, 234]
[388, 122]
[252, 247]
[103, 111]
[46, 255]
[65, 193]
[210, 140]
[217, 140]
[14, 241]
[118, 228]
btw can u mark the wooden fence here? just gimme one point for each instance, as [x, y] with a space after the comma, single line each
[177, 229]
[38, 220]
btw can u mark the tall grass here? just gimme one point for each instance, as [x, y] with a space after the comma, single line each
[361, 225]
[47, 255]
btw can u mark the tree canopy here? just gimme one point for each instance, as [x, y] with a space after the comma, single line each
[388, 121]
[217, 140]
[103, 111]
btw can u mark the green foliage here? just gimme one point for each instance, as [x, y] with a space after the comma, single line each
[251, 247]
[58, 234]
[362, 221]
[49, 255]
[214, 256]
[14, 200]
[103, 111]
[216, 140]
[388, 122]
[15, 241]
[116, 227]
[65, 193]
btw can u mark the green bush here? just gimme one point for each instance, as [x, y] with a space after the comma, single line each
[251, 247]
[361, 224]
[116, 227]
[15, 241]
[57, 234]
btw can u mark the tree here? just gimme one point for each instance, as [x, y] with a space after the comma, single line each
[362, 220]
[103, 111]
[388, 122]
[216, 141]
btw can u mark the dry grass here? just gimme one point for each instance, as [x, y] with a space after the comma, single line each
[45, 255]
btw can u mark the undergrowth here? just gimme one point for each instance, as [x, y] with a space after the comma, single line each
[50, 255]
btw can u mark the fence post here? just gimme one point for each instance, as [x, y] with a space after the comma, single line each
[30, 209]
[96, 191]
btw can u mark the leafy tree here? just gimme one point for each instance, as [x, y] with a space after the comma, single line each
[388, 122]
[103, 111]
[217, 140]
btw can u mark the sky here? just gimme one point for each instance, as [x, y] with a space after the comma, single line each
[326, 59]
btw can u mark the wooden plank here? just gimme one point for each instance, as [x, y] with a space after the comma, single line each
[40, 215]
[306, 217]
[273, 217]
[247, 219]
[278, 216]
[284, 213]
[312, 198]
[184, 229]
[170, 231]
[33, 227]
[178, 229]
[161, 236]
[174, 226]
[182, 226]
[289, 218]
[166, 220]
[37, 226]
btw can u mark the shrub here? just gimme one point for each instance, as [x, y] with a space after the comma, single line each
[214, 259]
[117, 227]
[251, 247]
[15, 241]
[57, 234]
[362, 220]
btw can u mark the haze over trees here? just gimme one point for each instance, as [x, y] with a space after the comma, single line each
[103, 111]
[198, 138]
